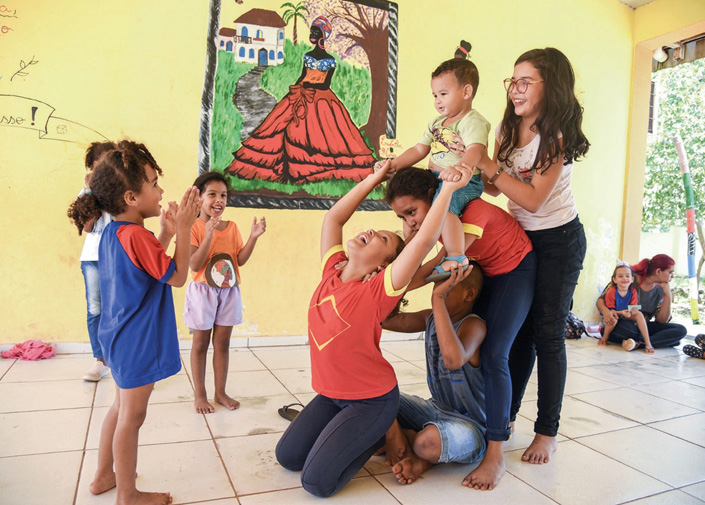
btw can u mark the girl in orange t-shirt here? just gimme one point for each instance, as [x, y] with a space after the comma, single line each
[358, 397]
[213, 304]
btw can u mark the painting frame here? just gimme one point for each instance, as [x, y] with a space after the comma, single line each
[261, 199]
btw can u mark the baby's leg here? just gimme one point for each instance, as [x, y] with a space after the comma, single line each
[105, 475]
[453, 240]
[199, 352]
[221, 359]
[133, 410]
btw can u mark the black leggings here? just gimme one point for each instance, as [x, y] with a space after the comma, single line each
[660, 334]
[560, 252]
[330, 440]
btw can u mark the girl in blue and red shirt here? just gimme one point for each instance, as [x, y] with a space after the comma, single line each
[358, 398]
[137, 330]
[620, 297]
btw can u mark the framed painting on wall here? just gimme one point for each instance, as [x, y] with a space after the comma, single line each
[297, 99]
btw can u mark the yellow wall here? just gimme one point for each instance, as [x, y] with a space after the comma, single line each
[136, 69]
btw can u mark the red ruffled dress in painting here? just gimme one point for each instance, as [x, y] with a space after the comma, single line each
[308, 136]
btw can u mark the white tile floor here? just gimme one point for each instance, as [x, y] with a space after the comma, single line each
[632, 431]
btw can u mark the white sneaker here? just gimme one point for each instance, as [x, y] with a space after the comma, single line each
[97, 372]
[628, 344]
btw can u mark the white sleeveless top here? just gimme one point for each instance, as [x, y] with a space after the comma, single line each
[558, 209]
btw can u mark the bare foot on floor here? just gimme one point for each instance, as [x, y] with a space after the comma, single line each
[226, 401]
[486, 476]
[410, 468]
[202, 406]
[140, 498]
[396, 445]
[102, 483]
[540, 450]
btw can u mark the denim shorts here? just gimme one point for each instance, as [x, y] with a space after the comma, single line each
[206, 306]
[462, 440]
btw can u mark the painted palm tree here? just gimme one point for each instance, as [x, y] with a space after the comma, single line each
[293, 12]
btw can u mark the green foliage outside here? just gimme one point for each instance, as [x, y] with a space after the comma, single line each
[226, 121]
[351, 84]
[680, 109]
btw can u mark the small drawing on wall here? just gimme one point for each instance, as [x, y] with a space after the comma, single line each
[23, 112]
[295, 100]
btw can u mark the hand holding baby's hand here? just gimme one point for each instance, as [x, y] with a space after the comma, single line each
[385, 168]
[457, 177]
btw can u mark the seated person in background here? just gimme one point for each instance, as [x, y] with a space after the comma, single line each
[654, 292]
[450, 426]
[621, 298]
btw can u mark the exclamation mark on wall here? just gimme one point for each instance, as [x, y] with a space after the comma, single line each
[34, 113]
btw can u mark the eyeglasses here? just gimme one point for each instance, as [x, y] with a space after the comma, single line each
[521, 85]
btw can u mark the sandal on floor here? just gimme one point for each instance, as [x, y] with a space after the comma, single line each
[289, 413]
[700, 340]
[694, 352]
[440, 274]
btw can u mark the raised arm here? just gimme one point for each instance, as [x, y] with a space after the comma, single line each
[529, 195]
[256, 231]
[456, 348]
[340, 213]
[410, 157]
[419, 278]
[408, 261]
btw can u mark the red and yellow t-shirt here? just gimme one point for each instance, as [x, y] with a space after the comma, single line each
[344, 329]
[614, 301]
[221, 262]
[501, 243]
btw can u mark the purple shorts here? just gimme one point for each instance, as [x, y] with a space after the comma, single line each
[206, 306]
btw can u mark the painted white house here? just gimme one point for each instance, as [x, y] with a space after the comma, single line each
[258, 38]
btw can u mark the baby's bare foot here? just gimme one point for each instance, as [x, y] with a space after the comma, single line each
[102, 483]
[202, 406]
[540, 450]
[140, 498]
[226, 401]
[410, 468]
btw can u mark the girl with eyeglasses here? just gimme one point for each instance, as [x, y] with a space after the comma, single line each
[536, 144]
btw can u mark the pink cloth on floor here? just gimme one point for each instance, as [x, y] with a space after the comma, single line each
[30, 350]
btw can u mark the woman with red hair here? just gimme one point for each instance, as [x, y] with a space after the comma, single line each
[653, 276]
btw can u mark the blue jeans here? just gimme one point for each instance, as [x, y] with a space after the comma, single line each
[503, 303]
[330, 440]
[462, 440]
[559, 252]
[92, 282]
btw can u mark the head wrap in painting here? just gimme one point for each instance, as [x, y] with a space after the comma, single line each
[323, 24]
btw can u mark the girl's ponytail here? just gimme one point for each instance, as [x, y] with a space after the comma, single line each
[649, 266]
[84, 209]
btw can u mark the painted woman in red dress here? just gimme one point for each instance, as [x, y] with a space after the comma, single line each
[309, 135]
